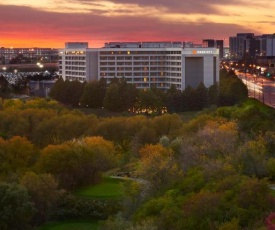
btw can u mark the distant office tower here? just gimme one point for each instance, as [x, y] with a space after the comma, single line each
[249, 45]
[267, 45]
[46, 54]
[145, 64]
[207, 43]
[244, 44]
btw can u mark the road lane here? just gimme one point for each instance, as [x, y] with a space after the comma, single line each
[259, 88]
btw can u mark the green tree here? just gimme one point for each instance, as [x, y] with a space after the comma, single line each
[44, 193]
[173, 100]
[92, 95]
[56, 91]
[149, 102]
[16, 209]
[202, 98]
[167, 124]
[213, 93]
[253, 201]
[111, 101]
[252, 158]
[4, 87]
[231, 90]
[189, 94]
[128, 94]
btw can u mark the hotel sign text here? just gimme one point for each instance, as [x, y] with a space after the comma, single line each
[202, 51]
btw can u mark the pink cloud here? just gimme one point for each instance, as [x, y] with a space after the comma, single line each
[23, 24]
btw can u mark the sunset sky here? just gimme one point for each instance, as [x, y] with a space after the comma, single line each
[51, 23]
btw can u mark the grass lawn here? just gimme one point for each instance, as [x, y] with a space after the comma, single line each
[110, 188]
[71, 225]
[273, 192]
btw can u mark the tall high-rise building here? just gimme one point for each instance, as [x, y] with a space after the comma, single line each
[145, 64]
[267, 45]
[207, 43]
[239, 44]
[250, 46]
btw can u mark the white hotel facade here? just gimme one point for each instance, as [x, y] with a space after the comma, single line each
[145, 64]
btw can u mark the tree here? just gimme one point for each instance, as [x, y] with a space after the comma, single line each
[93, 95]
[202, 98]
[252, 201]
[231, 90]
[149, 102]
[189, 94]
[56, 91]
[16, 209]
[167, 124]
[17, 154]
[44, 193]
[252, 158]
[78, 163]
[173, 99]
[4, 87]
[65, 127]
[111, 101]
[213, 93]
[73, 93]
[118, 222]
[158, 166]
[201, 211]
[218, 139]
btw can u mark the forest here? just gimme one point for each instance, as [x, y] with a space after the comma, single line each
[207, 169]
[120, 96]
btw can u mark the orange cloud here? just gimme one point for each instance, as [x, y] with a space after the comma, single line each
[50, 25]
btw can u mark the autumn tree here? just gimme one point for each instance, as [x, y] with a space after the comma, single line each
[167, 124]
[158, 166]
[17, 155]
[252, 158]
[79, 162]
[65, 127]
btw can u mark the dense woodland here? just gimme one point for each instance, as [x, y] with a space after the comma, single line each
[120, 96]
[210, 171]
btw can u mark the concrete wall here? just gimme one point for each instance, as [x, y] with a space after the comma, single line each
[194, 68]
[92, 66]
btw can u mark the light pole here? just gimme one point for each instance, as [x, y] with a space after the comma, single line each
[254, 86]
[263, 90]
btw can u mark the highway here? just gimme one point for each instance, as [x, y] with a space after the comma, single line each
[259, 88]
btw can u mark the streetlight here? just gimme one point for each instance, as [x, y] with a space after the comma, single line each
[263, 90]
[39, 65]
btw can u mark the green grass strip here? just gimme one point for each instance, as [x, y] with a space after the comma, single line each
[109, 188]
[71, 225]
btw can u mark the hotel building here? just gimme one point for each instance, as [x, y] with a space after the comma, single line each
[145, 64]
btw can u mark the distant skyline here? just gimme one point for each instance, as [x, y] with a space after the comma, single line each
[51, 23]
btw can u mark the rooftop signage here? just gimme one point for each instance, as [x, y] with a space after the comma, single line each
[202, 51]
